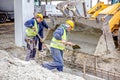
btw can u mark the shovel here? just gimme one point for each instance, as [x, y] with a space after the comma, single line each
[44, 43]
[42, 55]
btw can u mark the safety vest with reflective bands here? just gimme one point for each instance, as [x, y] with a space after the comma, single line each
[31, 32]
[57, 43]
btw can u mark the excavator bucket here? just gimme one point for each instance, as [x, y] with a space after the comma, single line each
[86, 33]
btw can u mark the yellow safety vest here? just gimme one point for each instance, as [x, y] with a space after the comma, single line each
[57, 43]
[31, 32]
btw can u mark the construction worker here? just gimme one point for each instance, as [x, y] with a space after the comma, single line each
[31, 33]
[42, 25]
[57, 45]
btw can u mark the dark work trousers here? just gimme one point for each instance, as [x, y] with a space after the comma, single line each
[57, 63]
[31, 48]
[39, 45]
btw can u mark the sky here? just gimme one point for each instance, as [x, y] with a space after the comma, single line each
[95, 1]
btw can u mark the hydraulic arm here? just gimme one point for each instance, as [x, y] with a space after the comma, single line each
[94, 11]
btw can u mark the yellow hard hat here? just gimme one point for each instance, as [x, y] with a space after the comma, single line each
[71, 23]
[39, 15]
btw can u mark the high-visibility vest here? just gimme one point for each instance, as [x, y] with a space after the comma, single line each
[57, 43]
[31, 32]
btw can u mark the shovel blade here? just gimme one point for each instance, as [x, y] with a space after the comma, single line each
[76, 47]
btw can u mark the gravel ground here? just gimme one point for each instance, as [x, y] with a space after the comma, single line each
[15, 69]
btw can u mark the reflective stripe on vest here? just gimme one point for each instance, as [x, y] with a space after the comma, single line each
[57, 43]
[31, 32]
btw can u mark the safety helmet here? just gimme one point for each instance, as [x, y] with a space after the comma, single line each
[71, 23]
[39, 15]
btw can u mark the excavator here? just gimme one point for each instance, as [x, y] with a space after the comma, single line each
[94, 11]
[92, 34]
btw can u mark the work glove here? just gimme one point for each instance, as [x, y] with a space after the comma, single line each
[34, 28]
[67, 43]
[42, 40]
[64, 42]
[70, 43]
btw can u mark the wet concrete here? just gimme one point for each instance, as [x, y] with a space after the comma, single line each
[85, 39]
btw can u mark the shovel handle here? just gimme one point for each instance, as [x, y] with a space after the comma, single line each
[40, 38]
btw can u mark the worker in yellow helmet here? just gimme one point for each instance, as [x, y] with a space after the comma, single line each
[40, 15]
[57, 45]
[42, 25]
[31, 33]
